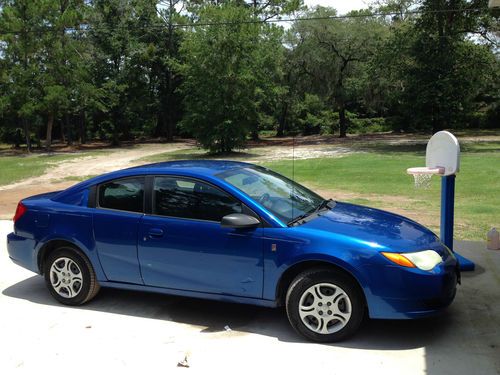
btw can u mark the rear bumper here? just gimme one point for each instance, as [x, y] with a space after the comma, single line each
[408, 293]
[22, 252]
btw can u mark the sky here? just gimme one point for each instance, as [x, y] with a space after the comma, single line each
[342, 6]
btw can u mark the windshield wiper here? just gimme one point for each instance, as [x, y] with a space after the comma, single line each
[301, 217]
[325, 203]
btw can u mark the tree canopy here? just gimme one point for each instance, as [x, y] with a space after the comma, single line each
[222, 71]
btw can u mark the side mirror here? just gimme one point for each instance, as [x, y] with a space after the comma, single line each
[239, 221]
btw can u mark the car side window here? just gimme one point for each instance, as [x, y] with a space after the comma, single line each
[190, 199]
[125, 194]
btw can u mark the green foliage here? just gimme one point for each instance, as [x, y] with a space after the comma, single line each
[368, 125]
[332, 55]
[124, 69]
[436, 71]
[226, 74]
[312, 116]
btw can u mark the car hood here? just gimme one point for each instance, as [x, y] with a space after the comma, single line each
[373, 227]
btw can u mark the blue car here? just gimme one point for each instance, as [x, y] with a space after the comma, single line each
[234, 232]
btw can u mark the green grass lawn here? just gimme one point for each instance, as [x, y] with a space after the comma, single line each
[378, 176]
[16, 168]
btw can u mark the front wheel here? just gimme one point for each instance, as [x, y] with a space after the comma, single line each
[70, 277]
[324, 306]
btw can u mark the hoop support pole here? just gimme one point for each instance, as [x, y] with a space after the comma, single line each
[447, 209]
[447, 219]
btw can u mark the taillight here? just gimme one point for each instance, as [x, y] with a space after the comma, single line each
[20, 211]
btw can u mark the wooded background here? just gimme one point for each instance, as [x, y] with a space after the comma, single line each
[225, 71]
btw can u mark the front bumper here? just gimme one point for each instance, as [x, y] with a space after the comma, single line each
[408, 293]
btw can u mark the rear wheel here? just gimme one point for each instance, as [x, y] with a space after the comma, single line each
[70, 277]
[324, 306]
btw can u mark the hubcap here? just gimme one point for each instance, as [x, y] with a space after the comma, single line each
[325, 308]
[66, 277]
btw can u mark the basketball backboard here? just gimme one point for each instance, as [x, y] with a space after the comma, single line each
[443, 151]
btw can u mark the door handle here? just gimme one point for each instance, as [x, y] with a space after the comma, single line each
[156, 232]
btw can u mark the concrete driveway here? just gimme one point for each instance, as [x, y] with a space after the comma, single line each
[128, 332]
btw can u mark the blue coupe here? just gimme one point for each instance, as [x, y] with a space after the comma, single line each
[234, 232]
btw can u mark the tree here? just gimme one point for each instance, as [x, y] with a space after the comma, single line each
[20, 50]
[164, 58]
[262, 10]
[401, 10]
[62, 64]
[226, 70]
[116, 54]
[331, 51]
[447, 70]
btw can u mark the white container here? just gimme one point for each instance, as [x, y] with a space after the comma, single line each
[493, 240]
[494, 4]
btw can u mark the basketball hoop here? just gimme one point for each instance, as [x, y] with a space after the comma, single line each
[442, 158]
[423, 175]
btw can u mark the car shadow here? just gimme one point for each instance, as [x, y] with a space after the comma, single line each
[214, 316]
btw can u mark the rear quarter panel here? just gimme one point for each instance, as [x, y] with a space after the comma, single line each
[46, 221]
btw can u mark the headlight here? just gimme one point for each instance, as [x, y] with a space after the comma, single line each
[425, 260]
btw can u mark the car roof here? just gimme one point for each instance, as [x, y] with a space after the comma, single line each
[197, 168]
[200, 167]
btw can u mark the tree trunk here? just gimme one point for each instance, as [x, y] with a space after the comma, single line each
[63, 131]
[169, 135]
[169, 121]
[282, 120]
[159, 124]
[18, 138]
[27, 136]
[115, 141]
[82, 130]
[255, 134]
[48, 137]
[342, 121]
[69, 128]
[125, 129]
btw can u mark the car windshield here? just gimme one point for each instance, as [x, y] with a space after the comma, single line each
[284, 198]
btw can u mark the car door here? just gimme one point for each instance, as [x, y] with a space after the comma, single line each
[183, 246]
[119, 209]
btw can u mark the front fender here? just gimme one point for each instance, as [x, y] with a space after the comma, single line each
[273, 278]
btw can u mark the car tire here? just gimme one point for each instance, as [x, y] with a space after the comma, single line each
[70, 277]
[324, 305]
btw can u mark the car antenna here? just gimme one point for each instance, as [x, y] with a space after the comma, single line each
[293, 174]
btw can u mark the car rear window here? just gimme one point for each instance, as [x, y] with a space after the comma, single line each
[124, 194]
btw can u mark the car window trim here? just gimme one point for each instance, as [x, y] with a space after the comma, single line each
[98, 188]
[244, 207]
[91, 201]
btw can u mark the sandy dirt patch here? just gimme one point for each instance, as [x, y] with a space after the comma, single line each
[95, 165]
[298, 152]
[10, 197]
[54, 178]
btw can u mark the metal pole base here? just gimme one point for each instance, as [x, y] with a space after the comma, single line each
[464, 263]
